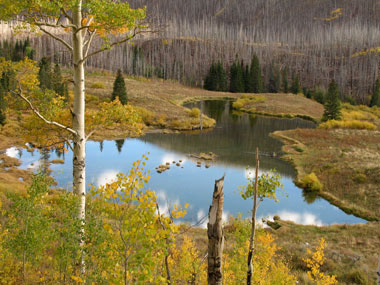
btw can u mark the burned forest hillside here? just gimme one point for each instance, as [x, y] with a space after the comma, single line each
[318, 40]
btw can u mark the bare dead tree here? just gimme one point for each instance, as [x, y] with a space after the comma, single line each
[215, 234]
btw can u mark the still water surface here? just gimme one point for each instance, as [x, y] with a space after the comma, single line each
[233, 140]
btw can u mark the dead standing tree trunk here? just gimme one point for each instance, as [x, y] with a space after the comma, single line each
[215, 235]
[252, 239]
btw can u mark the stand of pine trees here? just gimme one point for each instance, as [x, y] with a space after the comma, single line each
[375, 100]
[248, 78]
[16, 51]
[242, 78]
[236, 78]
[52, 79]
[216, 79]
[119, 89]
[295, 88]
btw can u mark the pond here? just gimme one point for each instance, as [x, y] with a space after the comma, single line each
[233, 140]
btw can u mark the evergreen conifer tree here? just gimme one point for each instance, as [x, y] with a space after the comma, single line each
[222, 82]
[236, 78]
[45, 74]
[256, 81]
[66, 92]
[119, 89]
[28, 51]
[17, 51]
[6, 50]
[211, 78]
[2, 105]
[375, 100]
[274, 79]
[285, 83]
[7, 81]
[307, 92]
[57, 81]
[246, 78]
[296, 85]
[332, 103]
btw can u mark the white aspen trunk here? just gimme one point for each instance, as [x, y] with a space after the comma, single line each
[252, 238]
[79, 155]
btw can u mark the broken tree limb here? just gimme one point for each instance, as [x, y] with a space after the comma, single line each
[215, 234]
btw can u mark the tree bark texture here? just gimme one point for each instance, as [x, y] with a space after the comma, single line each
[79, 140]
[254, 210]
[215, 234]
[79, 157]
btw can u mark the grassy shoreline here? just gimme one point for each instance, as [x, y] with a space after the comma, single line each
[307, 158]
[168, 98]
[280, 105]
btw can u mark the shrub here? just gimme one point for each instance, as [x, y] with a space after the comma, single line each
[247, 99]
[350, 124]
[146, 115]
[358, 115]
[91, 98]
[238, 104]
[360, 178]
[311, 182]
[319, 95]
[195, 113]
[355, 277]
[98, 85]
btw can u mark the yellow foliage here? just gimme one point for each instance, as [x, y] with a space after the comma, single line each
[246, 99]
[366, 51]
[98, 85]
[314, 264]
[139, 236]
[311, 182]
[8, 267]
[268, 267]
[358, 115]
[348, 124]
[186, 264]
[194, 112]
[335, 14]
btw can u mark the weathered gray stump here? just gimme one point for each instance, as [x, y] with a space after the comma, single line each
[215, 234]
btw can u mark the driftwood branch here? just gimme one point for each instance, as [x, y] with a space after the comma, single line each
[216, 235]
